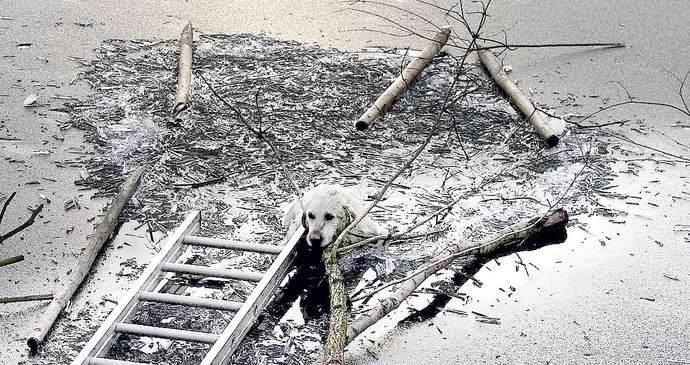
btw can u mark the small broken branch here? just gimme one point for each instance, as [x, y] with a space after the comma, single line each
[403, 82]
[504, 238]
[184, 82]
[26, 298]
[5, 205]
[103, 231]
[493, 64]
[27, 223]
[11, 260]
[202, 183]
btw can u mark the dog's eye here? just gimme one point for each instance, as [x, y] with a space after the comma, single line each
[311, 216]
[329, 216]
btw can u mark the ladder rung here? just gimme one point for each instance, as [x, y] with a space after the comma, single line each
[102, 361]
[191, 301]
[211, 271]
[234, 245]
[168, 333]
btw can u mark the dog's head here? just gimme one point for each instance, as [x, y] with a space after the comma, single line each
[326, 214]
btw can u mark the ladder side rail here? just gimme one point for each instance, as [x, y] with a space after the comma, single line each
[243, 320]
[106, 332]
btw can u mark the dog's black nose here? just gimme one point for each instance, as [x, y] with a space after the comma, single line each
[315, 241]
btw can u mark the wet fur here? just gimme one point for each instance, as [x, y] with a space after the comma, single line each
[339, 204]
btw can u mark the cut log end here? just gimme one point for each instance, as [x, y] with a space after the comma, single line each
[558, 216]
[361, 125]
[552, 140]
[33, 343]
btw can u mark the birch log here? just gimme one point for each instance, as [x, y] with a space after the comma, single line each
[408, 75]
[337, 318]
[103, 231]
[184, 80]
[504, 238]
[519, 100]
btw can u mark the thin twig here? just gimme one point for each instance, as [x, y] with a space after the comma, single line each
[628, 102]
[7, 203]
[682, 158]
[548, 45]
[202, 183]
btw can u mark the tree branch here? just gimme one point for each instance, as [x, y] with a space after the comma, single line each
[24, 225]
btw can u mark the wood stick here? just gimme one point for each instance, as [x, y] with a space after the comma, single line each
[337, 318]
[506, 237]
[102, 233]
[11, 260]
[408, 75]
[6, 204]
[184, 81]
[519, 100]
[26, 298]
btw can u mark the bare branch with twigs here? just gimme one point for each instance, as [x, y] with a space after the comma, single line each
[685, 110]
[258, 133]
[21, 227]
[510, 235]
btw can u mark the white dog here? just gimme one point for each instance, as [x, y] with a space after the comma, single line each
[325, 211]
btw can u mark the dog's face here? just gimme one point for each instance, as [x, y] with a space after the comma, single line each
[325, 217]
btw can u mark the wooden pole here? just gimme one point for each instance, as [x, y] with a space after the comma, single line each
[11, 260]
[519, 100]
[103, 231]
[26, 298]
[184, 81]
[337, 318]
[408, 75]
[506, 237]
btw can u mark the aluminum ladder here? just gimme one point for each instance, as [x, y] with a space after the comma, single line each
[143, 290]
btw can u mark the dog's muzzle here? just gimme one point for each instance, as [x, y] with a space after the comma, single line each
[314, 240]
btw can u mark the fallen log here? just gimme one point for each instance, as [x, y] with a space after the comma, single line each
[519, 100]
[408, 75]
[102, 233]
[184, 81]
[509, 236]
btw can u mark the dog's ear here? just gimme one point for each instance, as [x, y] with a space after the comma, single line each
[351, 215]
[304, 221]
